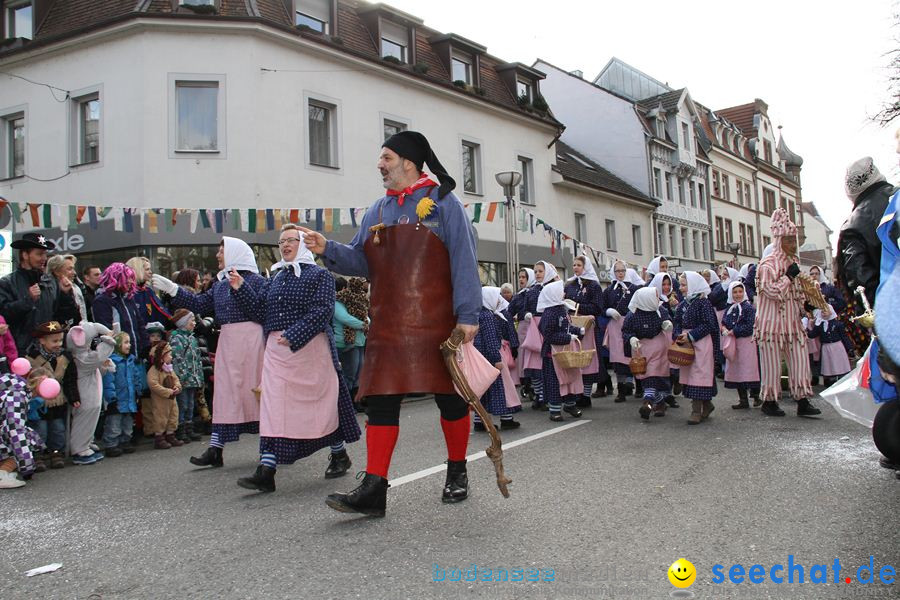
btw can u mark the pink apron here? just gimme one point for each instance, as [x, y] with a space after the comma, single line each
[238, 370]
[700, 373]
[509, 387]
[299, 390]
[521, 332]
[590, 343]
[613, 341]
[531, 347]
[507, 359]
[720, 314]
[570, 381]
[656, 351]
[745, 366]
[834, 359]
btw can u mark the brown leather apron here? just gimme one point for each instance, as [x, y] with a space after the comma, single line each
[411, 310]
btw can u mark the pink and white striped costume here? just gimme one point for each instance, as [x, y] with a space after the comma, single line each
[779, 331]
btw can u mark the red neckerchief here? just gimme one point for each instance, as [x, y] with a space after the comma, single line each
[423, 181]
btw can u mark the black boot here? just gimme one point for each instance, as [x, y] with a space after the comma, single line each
[742, 400]
[676, 387]
[672, 402]
[573, 410]
[338, 464]
[583, 401]
[369, 498]
[638, 389]
[262, 480]
[622, 393]
[479, 426]
[805, 409]
[194, 436]
[755, 395]
[211, 457]
[181, 435]
[771, 409]
[601, 390]
[456, 489]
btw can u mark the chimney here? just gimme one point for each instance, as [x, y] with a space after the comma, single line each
[577, 73]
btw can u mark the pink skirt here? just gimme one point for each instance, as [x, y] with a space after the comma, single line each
[530, 349]
[521, 332]
[299, 390]
[590, 343]
[814, 345]
[237, 371]
[745, 366]
[509, 387]
[656, 351]
[720, 314]
[570, 381]
[834, 359]
[614, 342]
[701, 372]
[511, 365]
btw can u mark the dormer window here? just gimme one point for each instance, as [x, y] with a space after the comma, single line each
[525, 89]
[686, 135]
[197, 2]
[19, 19]
[461, 67]
[315, 14]
[725, 137]
[660, 127]
[394, 41]
[736, 145]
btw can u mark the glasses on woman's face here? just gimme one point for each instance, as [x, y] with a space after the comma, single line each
[286, 241]
[619, 271]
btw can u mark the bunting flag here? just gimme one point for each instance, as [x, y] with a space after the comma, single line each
[531, 220]
[35, 219]
[127, 223]
[328, 219]
[219, 218]
[318, 218]
[251, 221]
[353, 217]
[79, 215]
[152, 222]
[236, 219]
[195, 220]
[335, 219]
[492, 212]
[260, 220]
[502, 210]
[103, 211]
[294, 216]
[477, 215]
[270, 219]
[92, 217]
[171, 218]
[48, 222]
[118, 224]
[204, 218]
[73, 216]
[279, 217]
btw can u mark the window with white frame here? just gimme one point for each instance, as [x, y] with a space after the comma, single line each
[321, 118]
[705, 242]
[394, 41]
[729, 232]
[461, 68]
[471, 164]
[392, 127]
[750, 248]
[726, 188]
[696, 235]
[701, 191]
[526, 185]
[657, 183]
[636, 239]
[197, 122]
[525, 90]
[580, 227]
[610, 235]
[740, 192]
[660, 238]
[673, 241]
[85, 128]
[681, 190]
[684, 242]
[747, 197]
[315, 14]
[693, 193]
[12, 151]
[669, 186]
[686, 135]
[19, 18]
[660, 128]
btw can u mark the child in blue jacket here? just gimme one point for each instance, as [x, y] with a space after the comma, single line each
[121, 389]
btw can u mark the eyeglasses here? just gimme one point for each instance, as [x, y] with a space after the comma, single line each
[286, 241]
[619, 271]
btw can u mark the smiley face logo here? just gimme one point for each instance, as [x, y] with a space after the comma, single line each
[682, 573]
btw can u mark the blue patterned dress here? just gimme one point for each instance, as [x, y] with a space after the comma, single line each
[302, 308]
[487, 341]
[530, 306]
[740, 323]
[698, 316]
[616, 297]
[589, 296]
[557, 331]
[646, 325]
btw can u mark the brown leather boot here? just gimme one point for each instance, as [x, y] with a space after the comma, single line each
[696, 412]
[707, 409]
[173, 441]
[160, 443]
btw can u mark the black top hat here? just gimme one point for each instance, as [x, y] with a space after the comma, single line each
[33, 241]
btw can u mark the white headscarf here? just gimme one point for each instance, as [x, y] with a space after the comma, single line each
[823, 320]
[615, 280]
[696, 284]
[549, 272]
[633, 278]
[822, 278]
[238, 256]
[731, 301]
[531, 280]
[733, 274]
[657, 282]
[745, 270]
[646, 299]
[493, 301]
[713, 277]
[304, 256]
[589, 273]
[768, 250]
[553, 294]
[653, 267]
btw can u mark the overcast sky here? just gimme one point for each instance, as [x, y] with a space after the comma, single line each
[821, 67]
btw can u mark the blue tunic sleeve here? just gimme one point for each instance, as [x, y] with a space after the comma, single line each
[203, 303]
[349, 259]
[253, 301]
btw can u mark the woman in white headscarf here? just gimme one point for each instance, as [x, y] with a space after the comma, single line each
[658, 265]
[561, 386]
[748, 278]
[742, 362]
[498, 400]
[616, 299]
[831, 292]
[523, 303]
[304, 402]
[718, 293]
[665, 287]
[836, 346]
[730, 275]
[700, 329]
[584, 290]
[239, 355]
[530, 349]
[646, 333]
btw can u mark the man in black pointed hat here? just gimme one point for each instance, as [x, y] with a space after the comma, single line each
[28, 296]
[417, 248]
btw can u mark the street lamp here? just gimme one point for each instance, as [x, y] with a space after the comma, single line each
[508, 180]
[734, 247]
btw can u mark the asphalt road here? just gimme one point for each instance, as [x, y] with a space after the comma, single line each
[602, 508]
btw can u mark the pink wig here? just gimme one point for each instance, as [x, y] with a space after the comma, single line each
[119, 277]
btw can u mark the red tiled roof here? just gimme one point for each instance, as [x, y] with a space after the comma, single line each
[742, 116]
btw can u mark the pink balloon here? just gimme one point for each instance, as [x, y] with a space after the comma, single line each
[21, 366]
[48, 389]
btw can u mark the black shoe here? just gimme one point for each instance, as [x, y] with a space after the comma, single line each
[510, 424]
[369, 498]
[814, 381]
[556, 417]
[620, 397]
[677, 388]
[742, 404]
[573, 410]
[211, 457]
[113, 452]
[181, 434]
[583, 402]
[805, 409]
[887, 463]
[456, 488]
[645, 410]
[771, 409]
[338, 464]
[190, 434]
[638, 389]
[262, 480]
[672, 402]
[541, 406]
[478, 426]
[127, 448]
[601, 391]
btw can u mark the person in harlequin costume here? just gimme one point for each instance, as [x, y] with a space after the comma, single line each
[239, 356]
[584, 290]
[779, 331]
[417, 248]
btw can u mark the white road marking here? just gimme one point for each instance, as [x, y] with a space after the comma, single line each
[432, 470]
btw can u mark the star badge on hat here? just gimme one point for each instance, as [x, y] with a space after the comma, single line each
[33, 241]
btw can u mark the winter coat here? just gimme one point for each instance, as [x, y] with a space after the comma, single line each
[186, 358]
[109, 307]
[124, 386]
[23, 314]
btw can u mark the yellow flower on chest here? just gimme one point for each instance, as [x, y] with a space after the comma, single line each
[424, 208]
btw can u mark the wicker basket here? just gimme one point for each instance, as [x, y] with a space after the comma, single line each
[638, 365]
[681, 355]
[574, 359]
[583, 321]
